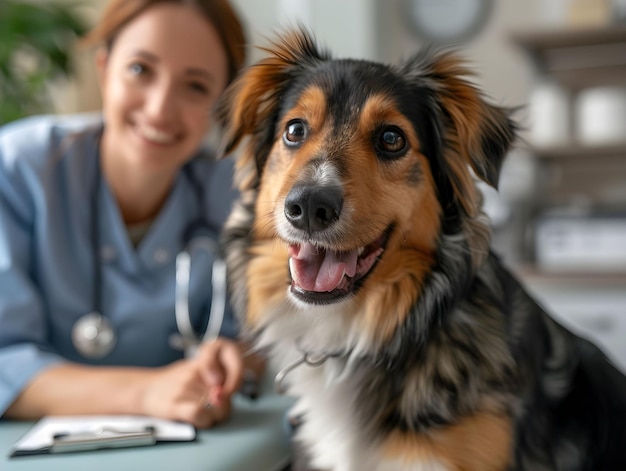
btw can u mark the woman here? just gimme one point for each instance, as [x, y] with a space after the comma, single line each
[92, 216]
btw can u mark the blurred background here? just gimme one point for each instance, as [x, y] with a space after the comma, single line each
[559, 218]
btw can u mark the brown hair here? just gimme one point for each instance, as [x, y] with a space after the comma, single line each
[219, 13]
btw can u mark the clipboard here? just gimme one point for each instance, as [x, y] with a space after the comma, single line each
[65, 434]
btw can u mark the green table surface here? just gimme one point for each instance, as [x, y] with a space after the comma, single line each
[254, 439]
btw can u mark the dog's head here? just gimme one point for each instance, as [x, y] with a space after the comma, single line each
[353, 171]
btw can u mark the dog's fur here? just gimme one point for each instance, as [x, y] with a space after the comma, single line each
[432, 355]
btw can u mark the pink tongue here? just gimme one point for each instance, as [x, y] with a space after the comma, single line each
[315, 269]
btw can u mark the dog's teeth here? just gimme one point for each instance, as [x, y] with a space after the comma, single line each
[292, 268]
[360, 251]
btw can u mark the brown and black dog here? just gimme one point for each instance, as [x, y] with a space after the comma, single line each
[358, 253]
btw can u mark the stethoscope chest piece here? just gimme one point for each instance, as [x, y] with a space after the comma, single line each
[93, 335]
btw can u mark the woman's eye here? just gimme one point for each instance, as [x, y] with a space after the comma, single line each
[391, 141]
[137, 69]
[295, 133]
[199, 88]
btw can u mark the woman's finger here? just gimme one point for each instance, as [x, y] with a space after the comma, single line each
[221, 365]
[208, 415]
[230, 357]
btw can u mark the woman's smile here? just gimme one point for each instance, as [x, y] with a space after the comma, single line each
[155, 136]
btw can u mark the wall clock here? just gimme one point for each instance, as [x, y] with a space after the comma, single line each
[446, 21]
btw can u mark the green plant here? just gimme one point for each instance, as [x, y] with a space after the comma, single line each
[36, 39]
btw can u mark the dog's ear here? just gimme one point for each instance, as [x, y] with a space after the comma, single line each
[249, 107]
[480, 133]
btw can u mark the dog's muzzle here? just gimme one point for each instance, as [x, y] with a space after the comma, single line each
[322, 273]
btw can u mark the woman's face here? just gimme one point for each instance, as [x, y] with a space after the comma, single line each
[159, 81]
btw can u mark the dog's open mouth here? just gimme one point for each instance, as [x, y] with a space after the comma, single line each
[320, 275]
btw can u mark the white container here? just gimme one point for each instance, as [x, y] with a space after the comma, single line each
[588, 244]
[601, 116]
[549, 115]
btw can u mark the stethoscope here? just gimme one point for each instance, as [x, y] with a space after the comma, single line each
[93, 334]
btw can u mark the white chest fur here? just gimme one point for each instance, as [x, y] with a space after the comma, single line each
[331, 432]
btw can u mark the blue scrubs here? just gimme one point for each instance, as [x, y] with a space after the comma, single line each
[47, 170]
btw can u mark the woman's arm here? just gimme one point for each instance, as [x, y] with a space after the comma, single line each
[197, 391]
[69, 389]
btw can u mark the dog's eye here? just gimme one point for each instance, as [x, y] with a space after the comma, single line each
[391, 142]
[295, 133]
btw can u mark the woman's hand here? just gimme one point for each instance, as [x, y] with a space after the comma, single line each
[197, 390]
[221, 365]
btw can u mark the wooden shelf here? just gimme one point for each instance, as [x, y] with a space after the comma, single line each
[578, 152]
[574, 173]
[572, 37]
[579, 58]
[590, 279]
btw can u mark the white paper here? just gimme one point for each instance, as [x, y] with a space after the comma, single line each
[40, 436]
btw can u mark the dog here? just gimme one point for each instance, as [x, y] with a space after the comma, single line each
[358, 255]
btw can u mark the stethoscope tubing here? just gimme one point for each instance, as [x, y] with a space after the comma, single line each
[188, 338]
[218, 295]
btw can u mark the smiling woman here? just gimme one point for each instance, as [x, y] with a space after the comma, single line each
[157, 96]
[87, 267]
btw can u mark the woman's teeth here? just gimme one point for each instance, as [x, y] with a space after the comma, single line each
[156, 136]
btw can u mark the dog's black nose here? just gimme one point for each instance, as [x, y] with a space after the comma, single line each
[313, 208]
